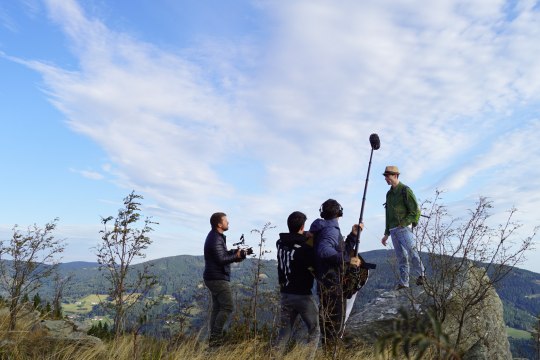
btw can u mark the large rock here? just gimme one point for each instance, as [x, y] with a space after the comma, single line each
[26, 315]
[377, 318]
[483, 332]
[34, 335]
[64, 332]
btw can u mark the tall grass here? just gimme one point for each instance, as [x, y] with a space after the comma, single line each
[31, 342]
[34, 345]
[149, 349]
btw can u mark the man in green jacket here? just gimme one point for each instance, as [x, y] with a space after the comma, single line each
[402, 213]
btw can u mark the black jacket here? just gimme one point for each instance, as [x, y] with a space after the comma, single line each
[295, 264]
[217, 259]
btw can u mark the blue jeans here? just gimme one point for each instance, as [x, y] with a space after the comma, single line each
[403, 241]
[222, 307]
[293, 305]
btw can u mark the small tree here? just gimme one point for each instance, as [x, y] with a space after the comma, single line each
[119, 247]
[100, 330]
[257, 271]
[25, 261]
[36, 302]
[252, 301]
[48, 309]
[536, 336]
[467, 259]
[415, 338]
[59, 286]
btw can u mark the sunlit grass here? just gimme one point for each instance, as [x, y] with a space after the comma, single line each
[518, 334]
[83, 305]
[32, 345]
[125, 349]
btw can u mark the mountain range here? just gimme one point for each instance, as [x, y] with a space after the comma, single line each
[180, 278]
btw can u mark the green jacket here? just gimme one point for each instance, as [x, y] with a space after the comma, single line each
[401, 208]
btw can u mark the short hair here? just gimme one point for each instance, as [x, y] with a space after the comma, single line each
[215, 219]
[330, 209]
[295, 221]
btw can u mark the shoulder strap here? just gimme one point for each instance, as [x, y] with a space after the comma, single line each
[405, 200]
[405, 195]
[403, 192]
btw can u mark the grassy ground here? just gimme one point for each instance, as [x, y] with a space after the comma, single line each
[27, 343]
[124, 349]
[518, 334]
[83, 305]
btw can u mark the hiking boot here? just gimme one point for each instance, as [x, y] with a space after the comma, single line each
[420, 280]
[215, 342]
[400, 286]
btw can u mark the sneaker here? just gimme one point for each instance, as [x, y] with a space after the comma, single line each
[420, 280]
[400, 286]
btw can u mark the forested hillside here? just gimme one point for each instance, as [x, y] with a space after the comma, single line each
[519, 291]
[184, 298]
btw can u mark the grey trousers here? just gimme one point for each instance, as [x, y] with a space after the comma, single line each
[305, 306]
[222, 307]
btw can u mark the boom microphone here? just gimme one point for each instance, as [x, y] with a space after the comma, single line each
[374, 141]
[375, 144]
[355, 278]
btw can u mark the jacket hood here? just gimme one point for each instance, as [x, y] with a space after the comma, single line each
[320, 224]
[317, 225]
[291, 239]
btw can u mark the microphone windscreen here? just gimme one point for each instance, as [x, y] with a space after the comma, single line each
[375, 141]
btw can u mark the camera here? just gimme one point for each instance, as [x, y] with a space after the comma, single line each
[244, 249]
[245, 252]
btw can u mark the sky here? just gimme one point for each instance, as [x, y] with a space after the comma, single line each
[260, 108]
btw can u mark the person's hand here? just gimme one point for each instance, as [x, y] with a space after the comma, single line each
[356, 262]
[355, 228]
[384, 240]
[239, 254]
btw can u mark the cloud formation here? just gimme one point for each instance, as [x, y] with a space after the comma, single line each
[269, 126]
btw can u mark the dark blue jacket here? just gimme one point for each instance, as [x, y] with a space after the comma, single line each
[217, 259]
[331, 252]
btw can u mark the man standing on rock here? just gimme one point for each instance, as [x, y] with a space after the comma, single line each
[402, 213]
[217, 275]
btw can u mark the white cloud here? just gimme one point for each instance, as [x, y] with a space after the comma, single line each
[6, 21]
[93, 175]
[438, 82]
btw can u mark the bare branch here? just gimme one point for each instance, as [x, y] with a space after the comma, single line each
[119, 247]
[25, 261]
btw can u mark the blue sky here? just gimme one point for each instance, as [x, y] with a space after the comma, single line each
[259, 108]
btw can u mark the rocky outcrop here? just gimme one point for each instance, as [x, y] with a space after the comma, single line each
[377, 318]
[48, 333]
[64, 332]
[483, 334]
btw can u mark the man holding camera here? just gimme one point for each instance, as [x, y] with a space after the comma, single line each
[217, 271]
